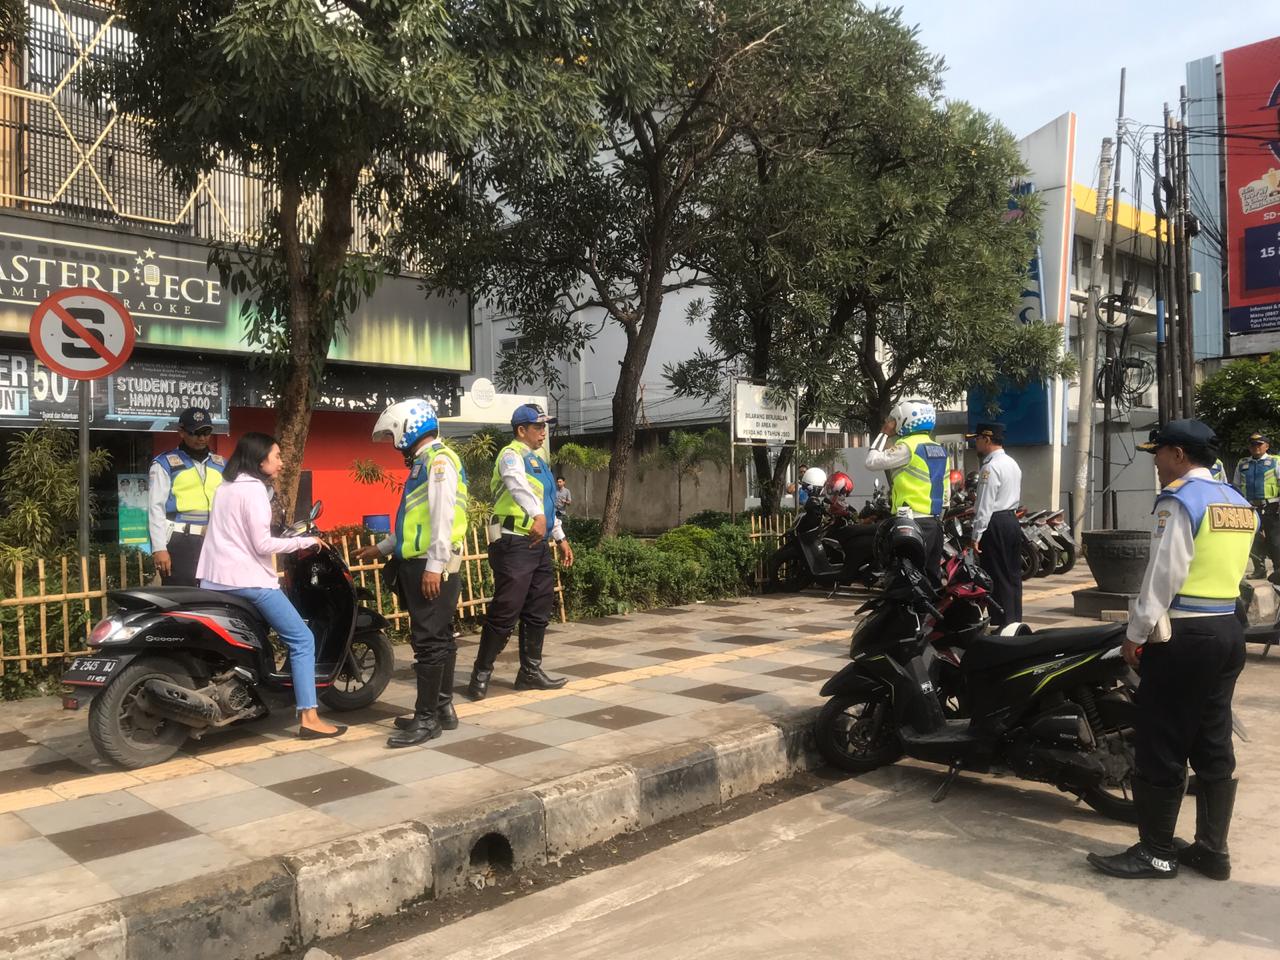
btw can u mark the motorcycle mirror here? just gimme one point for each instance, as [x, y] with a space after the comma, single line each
[317, 508]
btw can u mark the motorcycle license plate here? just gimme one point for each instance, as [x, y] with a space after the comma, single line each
[90, 671]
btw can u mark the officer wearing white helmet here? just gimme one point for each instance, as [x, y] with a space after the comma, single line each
[919, 470]
[431, 524]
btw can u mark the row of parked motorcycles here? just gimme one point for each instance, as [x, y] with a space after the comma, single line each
[831, 545]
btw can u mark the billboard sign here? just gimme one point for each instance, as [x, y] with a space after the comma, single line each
[755, 418]
[1251, 103]
[177, 300]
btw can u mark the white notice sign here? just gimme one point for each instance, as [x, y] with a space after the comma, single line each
[756, 419]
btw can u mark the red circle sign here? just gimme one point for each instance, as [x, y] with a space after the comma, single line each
[82, 333]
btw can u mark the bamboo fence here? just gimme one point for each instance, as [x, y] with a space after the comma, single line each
[49, 608]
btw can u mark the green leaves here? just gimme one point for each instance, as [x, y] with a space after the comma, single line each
[41, 491]
[1240, 398]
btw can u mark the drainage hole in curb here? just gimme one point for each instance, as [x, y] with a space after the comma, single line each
[492, 852]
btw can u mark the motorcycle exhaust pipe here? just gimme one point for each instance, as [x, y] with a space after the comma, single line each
[177, 703]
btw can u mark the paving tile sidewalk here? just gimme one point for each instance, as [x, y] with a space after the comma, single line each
[75, 832]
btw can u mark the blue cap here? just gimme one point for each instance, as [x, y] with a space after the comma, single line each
[530, 413]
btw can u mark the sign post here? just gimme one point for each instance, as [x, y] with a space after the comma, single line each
[83, 334]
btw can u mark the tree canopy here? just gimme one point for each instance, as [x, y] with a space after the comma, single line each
[1240, 398]
[343, 109]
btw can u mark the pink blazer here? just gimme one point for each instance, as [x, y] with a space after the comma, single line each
[238, 545]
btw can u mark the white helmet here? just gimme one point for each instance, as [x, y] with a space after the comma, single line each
[815, 478]
[406, 422]
[912, 416]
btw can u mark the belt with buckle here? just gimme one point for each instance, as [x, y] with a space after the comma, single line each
[194, 529]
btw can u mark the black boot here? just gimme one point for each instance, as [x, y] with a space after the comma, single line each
[491, 645]
[531, 675]
[423, 726]
[1153, 857]
[447, 716]
[1215, 801]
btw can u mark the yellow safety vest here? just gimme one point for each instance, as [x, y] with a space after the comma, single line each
[538, 472]
[190, 494]
[1224, 526]
[924, 484]
[413, 519]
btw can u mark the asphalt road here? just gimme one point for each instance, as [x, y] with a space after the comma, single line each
[871, 868]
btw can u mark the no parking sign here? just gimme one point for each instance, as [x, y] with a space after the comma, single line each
[82, 333]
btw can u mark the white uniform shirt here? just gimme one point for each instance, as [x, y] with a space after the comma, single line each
[159, 483]
[511, 470]
[442, 497]
[1172, 547]
[999, 488]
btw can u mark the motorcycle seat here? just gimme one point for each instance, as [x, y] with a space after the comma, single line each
[172, 598]
[991, 651]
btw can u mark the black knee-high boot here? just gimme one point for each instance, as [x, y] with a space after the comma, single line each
[531, 675]
[491, 644]
[1215, 802]
[1154, 856]
[423, 726]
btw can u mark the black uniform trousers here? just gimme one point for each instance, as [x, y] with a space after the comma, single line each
[1184, 701]
[1001, 556]
[931, 530]
[184, 557]
[430, 621]
[524, 584]
[1267, 541]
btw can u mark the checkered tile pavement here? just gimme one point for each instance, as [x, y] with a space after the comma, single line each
[75, 832]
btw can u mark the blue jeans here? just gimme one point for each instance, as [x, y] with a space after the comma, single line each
[283, 616]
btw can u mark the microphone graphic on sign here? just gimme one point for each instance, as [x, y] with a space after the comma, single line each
[151, 275]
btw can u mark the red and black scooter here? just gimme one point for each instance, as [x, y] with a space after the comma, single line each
[177, 662]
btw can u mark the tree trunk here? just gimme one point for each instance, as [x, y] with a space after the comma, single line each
[625, 414]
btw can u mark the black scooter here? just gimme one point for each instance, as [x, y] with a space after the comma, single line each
[828, 551]
[177, 662]
[1055, 707]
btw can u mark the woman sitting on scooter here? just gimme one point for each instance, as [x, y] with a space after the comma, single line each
[238, 547]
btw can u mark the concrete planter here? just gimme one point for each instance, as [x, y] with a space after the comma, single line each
[1117, 558]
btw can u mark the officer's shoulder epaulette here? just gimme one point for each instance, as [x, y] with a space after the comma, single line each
[219, 460]
[1174, 485]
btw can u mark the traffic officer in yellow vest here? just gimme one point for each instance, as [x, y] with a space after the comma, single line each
[431, 524]
[524, 581]
[1258, 478]
[919, 471]
[1184, 626]
[180, 487]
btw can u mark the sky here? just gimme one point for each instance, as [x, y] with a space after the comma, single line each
[1026, 68]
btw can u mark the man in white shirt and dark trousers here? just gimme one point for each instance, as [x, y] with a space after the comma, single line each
[1183, 623]
[524, 580]
[997, 535]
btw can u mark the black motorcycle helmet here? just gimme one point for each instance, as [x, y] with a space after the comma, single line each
[899, 538]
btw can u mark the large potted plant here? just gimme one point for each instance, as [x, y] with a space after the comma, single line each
[1117, 558]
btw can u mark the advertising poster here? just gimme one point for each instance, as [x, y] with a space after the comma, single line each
[132, 510]
[1251, 97]
[177, 300]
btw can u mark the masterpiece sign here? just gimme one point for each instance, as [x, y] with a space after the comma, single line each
[1251, 98]
[176, 300]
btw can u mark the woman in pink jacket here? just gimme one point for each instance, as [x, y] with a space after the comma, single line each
[237, 554]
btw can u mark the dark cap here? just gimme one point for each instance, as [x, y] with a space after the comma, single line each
[530, 413]
[992, 431]
[195, 420]
[1258, 438]
[1188, 434]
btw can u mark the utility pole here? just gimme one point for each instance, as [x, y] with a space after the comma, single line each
[1157, 204]
[1174, 362]
[1089, 351]
[1184, 260]
[1108, 521]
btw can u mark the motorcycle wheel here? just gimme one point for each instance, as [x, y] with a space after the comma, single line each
[1115, 799]
[364, 676]
[1048, 561]
[787, 572]
[1030, 560]
[1066, 554]
[122, 731]
[857, 733]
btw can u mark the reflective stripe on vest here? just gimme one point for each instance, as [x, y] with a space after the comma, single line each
[924, 483]
[413, 518]
[1224, 525]
[190, 494]
[1218, 471]
[1260, 477]
[541, 481]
